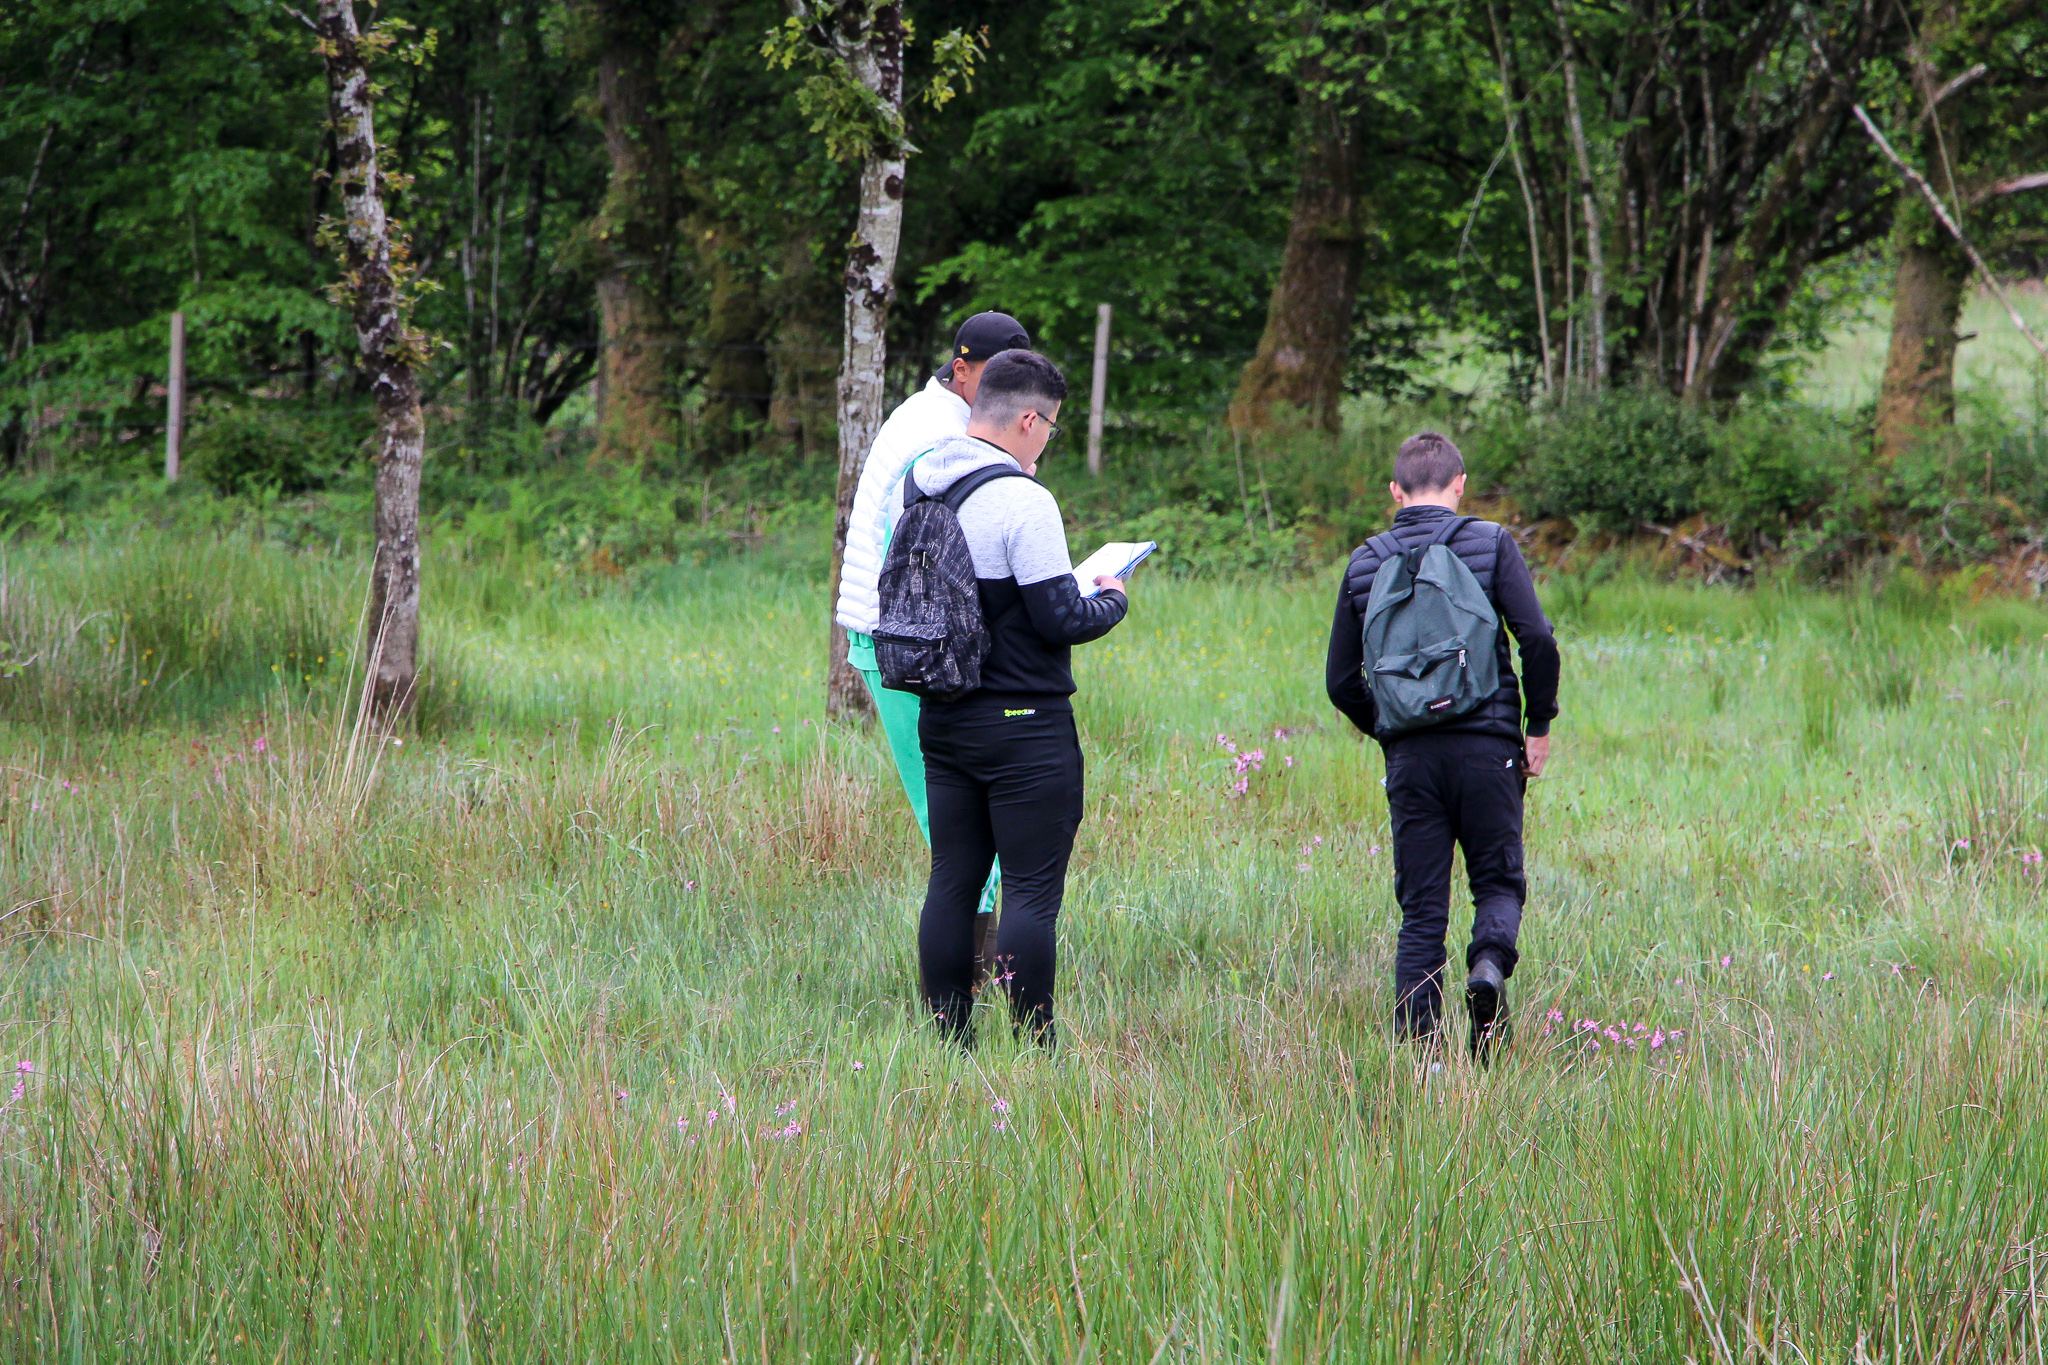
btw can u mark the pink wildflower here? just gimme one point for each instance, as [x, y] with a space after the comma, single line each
[262, 745]
[795, 1130]
[784, 1108]
[1727, 959]
[731, 1106]
[860, 1066]
[1827, 976]
[1656, 1040]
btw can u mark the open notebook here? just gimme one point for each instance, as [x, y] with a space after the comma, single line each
[1116, 559]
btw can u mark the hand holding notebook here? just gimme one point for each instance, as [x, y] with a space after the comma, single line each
[1114, 560]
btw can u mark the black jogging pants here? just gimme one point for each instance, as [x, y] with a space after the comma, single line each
[1447, 790]
[999, 780]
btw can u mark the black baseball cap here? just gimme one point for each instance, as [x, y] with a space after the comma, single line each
[983, 335]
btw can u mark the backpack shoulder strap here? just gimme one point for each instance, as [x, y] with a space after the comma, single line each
[961, 491]
[1388, 549]
[1451, 529]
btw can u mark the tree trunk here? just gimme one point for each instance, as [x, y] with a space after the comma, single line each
[1503, 57]
[736, 385]
[632, 235]
[877, 64]
[391, 349]
[1786, 193]
[1919, 390]
[1596, 257]
[1300, 361]
[803, 359]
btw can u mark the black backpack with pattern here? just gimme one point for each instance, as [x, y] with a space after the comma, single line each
[931, 638]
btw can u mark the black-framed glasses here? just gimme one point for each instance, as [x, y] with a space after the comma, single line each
[1052, 428]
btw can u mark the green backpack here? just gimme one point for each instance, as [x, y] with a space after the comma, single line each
[1430, 635]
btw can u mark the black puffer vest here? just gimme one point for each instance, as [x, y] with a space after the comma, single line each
[1478, 544]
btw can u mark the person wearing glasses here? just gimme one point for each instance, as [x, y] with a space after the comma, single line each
[934, 412]
[1003, 763]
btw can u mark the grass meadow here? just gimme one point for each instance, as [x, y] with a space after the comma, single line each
[574, 1025]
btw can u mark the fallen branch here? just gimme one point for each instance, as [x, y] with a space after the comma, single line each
[1926, 191]
[1720, 554]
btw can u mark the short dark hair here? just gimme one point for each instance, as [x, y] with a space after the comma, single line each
[1013, 381]
[1425, 463]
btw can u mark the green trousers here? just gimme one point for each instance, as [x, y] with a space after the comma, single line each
[898, 711]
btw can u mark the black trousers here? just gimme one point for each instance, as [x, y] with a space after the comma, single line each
[998, 781]
[1446, 790]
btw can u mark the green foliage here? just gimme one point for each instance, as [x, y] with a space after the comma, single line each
[1211, 544]
[256, 448]
[1775, 464]
[1628, 456]
[853, 117]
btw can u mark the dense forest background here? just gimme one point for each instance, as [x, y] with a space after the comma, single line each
[1596, 240]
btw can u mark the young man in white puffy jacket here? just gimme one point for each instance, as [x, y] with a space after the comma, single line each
[930, 415]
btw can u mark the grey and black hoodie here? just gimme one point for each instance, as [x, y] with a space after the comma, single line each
[1030, 602]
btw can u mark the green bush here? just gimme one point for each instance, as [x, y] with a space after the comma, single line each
[1193, 542]
[1775, 465]
[253, 449]
[1627, 456]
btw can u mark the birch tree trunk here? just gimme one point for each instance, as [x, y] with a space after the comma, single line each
[877, 63]
[1595, 343]
[391, 349]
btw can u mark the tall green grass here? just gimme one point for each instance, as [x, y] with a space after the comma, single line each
[576, 1025]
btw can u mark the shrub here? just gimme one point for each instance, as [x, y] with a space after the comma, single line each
[1775, 465]
[1627, 456]
[256, 448]
[1198, 543]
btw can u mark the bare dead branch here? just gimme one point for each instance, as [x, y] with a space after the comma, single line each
[1969, 77]
[2038, 180]
[1926, 191]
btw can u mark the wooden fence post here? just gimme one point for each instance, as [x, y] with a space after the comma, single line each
[174, 401]
[1101, 390]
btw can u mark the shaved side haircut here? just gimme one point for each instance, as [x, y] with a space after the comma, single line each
[1015, 380]
[1425, 463]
